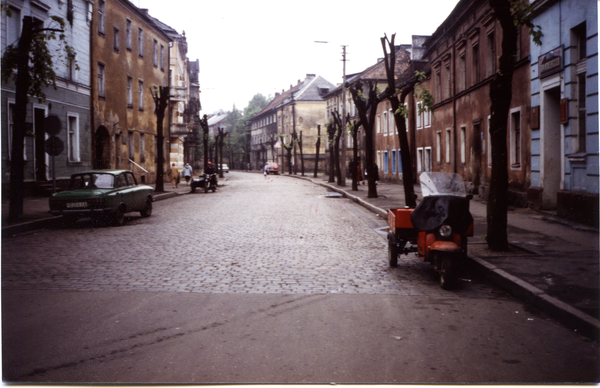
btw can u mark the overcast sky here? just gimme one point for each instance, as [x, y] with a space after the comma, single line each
[247, 47]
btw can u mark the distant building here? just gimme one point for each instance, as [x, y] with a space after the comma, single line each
[70, 101]
[295, 112]
[564, 104]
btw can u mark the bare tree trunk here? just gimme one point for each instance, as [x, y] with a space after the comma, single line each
[500, 95]
[354, 170]
[318, 146]
[161, 102]
[338, 135]
[301, 155]
[17, 174]
[331, 137]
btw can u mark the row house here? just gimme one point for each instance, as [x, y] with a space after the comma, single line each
[298, 110]
[463, 57]
[70, 102]
[564, 101]
[130, 60]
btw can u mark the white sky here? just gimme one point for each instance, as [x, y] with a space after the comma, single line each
[247, 47]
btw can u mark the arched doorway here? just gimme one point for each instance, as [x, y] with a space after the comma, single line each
[102, 154]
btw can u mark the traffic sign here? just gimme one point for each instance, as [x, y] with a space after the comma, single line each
[52, 125]
[54, 146]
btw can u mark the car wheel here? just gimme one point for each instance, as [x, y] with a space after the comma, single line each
[119, 216]
[147, 211]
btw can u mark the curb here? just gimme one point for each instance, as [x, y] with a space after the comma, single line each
[559, 310]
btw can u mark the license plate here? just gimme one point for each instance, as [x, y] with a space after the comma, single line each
[76, 204]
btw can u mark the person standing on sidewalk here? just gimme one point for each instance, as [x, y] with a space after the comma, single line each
[187, 173]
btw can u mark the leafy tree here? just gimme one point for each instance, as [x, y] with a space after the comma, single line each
[30, 64]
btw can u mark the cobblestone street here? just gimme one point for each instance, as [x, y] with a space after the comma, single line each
[254, 235]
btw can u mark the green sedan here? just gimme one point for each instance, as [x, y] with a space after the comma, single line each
[102, 195]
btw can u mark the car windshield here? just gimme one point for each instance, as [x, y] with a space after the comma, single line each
[92, 181]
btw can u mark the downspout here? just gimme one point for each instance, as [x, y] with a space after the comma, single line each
[170, 110]
[453, 64]
[93, 90]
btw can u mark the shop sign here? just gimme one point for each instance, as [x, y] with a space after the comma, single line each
[550, 63]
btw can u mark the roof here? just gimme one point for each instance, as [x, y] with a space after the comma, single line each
[307, 90]
[216, 119]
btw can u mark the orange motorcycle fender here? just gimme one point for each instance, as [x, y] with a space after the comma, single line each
[446, 246]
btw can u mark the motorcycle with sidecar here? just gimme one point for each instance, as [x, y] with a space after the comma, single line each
[437, 228]
[206, 181]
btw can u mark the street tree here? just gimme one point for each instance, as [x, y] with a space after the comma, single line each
[366, 97]
[318, 149]
[511, 14]
[31, 65]
[331, 130]
[161, 101]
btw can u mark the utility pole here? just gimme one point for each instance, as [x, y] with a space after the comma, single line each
[343, 166]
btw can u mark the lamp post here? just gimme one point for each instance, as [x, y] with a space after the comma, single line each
[344, 132]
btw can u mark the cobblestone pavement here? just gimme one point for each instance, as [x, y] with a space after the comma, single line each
[255, 235]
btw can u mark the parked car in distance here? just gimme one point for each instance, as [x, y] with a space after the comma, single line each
[225, 167]
[273, 168]
[102, 195]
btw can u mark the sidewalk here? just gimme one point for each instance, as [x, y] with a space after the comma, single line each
[552, 265]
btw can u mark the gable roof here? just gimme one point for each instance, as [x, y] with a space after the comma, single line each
[216, 119]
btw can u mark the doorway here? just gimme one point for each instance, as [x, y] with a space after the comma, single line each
[40, 164]
[102, 149]
[551, 153]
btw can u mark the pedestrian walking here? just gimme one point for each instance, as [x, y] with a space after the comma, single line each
[266, 170]
[173, 175]
[187, 173]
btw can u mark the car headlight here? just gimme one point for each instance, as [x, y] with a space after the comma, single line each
[445, 230]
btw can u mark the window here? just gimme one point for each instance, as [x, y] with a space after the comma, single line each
[579, 58]
[393, 161]
[419, 160]
[140, 42]
[447, 81]
[141, 95]
[427, 159]
[71, 67]
[101, 77]
[162, 57]
[581, 124]
[492, 53]
[142, 148]
[73, 137]
[462, 67]
[116, 44]
[385, 162]
[101, 16]
[406, 118]
[463, 145]
[515, 138]
[438, 85]
[448, 144]
[438, 147]
[155, 53]
[378, 123]
[476, 75]
[385, 124]
[427, 118]
[399, 162]
[392, 125]
[14, 27]
[130, 145]
[128, 34]
[129, 92]
[419, 115]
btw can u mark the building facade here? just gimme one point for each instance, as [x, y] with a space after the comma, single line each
[564, 101]
[463, 55]
[70, 102]
[129, 61]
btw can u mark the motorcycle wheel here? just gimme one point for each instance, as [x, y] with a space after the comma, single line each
[206, 187]
[213, 188]
[447, 273]
[392, 250]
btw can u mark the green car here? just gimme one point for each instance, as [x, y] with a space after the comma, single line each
[102, 195]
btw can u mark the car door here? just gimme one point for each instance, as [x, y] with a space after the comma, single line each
[125, 192]
[137, 193]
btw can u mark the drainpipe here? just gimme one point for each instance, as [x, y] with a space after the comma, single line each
[453, 64]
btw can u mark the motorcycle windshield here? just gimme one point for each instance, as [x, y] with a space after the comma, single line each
[444, 202]
[442, 183]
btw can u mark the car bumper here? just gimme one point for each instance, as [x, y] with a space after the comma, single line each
[80, 212]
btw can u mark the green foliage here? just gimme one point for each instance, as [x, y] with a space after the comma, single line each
[41, 65]
[522, 12]
[424, 94]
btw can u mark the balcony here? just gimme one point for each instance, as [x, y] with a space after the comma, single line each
[179, 129]
[179, 93]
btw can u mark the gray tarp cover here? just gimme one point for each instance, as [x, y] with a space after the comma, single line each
[436, 210]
